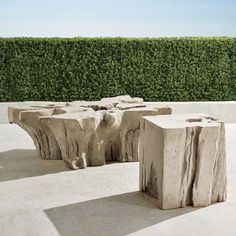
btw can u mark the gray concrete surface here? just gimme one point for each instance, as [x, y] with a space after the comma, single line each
[44, 198]
[225, 111]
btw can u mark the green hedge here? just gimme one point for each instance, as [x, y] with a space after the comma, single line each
[161, 69]
[233, 69]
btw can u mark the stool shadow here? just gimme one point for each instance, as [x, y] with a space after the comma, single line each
[115, 215]
[22, 163]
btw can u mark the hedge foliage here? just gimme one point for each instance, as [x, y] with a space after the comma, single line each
[160, 69]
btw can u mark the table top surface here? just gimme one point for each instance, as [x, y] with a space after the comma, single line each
[183, 120]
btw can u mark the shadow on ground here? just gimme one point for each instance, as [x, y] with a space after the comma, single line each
[117, 215]
[21, 163]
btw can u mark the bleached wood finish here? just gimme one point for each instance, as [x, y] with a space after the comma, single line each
[86, 133]
[182, 160]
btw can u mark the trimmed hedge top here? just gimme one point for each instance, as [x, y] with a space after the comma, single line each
[159, 69]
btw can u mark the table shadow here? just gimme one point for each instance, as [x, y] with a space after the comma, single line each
[115, 215]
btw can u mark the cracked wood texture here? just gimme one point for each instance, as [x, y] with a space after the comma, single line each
[183, 160]
[86, 133]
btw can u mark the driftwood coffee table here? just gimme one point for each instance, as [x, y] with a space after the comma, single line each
[86, 133]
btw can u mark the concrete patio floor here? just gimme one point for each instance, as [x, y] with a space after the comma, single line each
[45, 198]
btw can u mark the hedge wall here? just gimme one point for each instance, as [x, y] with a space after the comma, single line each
[162, 69]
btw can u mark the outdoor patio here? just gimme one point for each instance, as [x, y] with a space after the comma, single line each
[41, 197]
